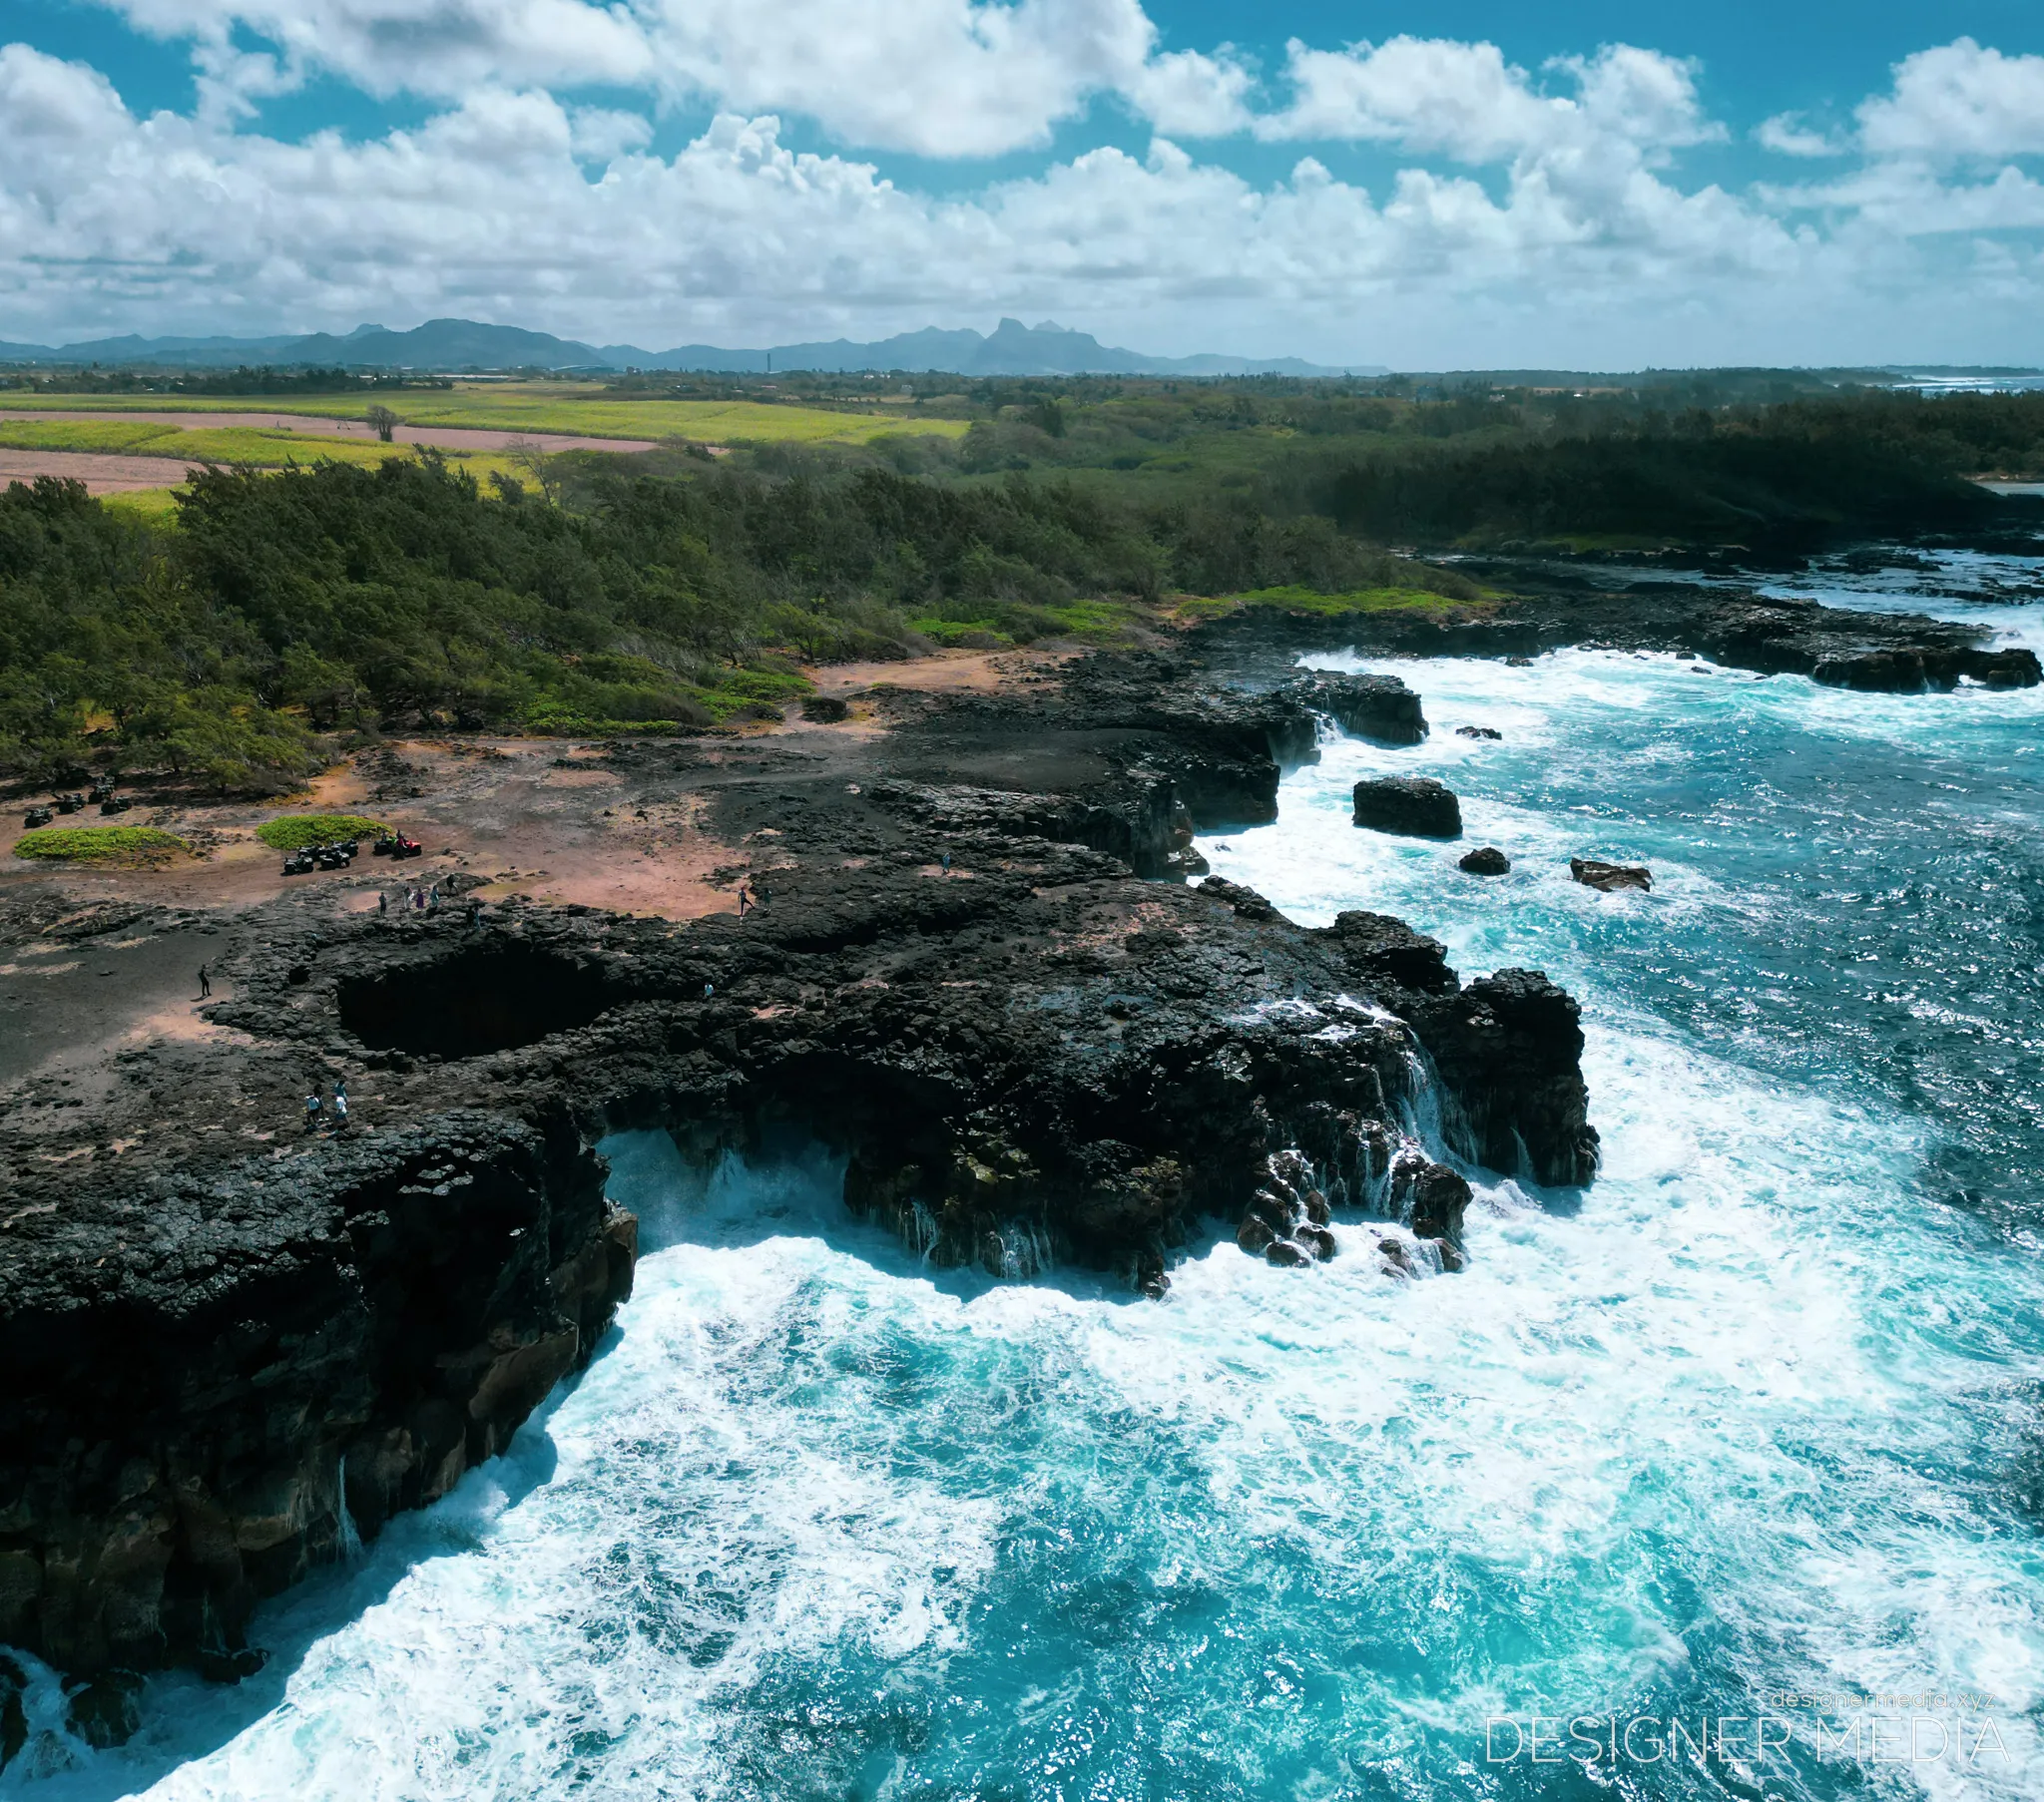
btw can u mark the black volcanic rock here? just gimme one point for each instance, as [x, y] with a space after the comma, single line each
[1378, 708]
[1488, 861]
[217, 1327]
[1610, 877]
[1892, 653]
[1414, 807]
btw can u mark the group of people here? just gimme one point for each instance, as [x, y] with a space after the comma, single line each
[416, 900]
[317, 1109]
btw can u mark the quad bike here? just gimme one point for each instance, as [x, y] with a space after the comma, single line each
[34, 818]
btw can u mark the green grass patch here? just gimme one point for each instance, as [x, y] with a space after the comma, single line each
[570, 408]
[962, 634]
[154, 506]
[294, 831]
[101, 844]
[1294, 599]
[1096, 622]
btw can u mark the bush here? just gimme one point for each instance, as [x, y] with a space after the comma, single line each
[102, 844]
[294, 831]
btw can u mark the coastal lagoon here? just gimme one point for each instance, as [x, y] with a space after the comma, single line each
[1744, 1442]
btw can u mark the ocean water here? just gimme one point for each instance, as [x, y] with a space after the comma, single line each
[1751, 1430]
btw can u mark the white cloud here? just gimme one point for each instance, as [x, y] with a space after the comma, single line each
[1433, 94]
[1958, 100]
[439, 48]
[940, 78]
[1565, 234]
[1787, 135]
[1193, 95]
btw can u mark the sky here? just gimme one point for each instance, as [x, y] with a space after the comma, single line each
[1464, 183]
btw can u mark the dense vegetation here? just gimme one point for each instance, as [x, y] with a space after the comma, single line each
[677, 589]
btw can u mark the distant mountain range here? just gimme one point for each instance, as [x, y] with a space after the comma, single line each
[451, 346]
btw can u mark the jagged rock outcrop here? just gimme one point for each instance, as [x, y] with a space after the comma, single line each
[1378, 708]
[1412, 807]
[1593, 872]
[1486, 860]
[1548, 608]
[198, 1348]
[1035, 1056]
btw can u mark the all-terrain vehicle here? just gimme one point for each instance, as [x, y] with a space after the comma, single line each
[300, 863]
[101, 790]
[36, 816]
[395, 845]
[70, 803]
[117, 803]
[334, 857]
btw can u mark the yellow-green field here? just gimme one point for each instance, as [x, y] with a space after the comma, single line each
[574, 407]
[203, 444]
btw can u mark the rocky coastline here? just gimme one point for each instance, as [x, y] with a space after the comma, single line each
[233, 1343]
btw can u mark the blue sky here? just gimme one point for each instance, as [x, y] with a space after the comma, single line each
[1465, 184]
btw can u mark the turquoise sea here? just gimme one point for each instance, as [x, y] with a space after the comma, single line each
[1734, 1461]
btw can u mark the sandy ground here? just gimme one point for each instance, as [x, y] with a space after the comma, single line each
[550, 819]
[442, 436]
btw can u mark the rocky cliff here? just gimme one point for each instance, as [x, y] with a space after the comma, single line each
[231, 1341]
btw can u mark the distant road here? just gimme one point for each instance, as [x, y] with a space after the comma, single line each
[440, 437]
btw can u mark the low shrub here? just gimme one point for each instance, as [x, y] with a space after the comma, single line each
[102, 844]
[294, 831]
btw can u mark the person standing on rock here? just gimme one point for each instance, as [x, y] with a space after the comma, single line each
[339, 1103]
[312, 1111]
[745, 900]
[205, 983]
[383, 901]
[944, 863]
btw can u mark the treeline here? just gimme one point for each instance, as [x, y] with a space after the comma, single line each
[670, 588]
[283, 605]
[243, 380]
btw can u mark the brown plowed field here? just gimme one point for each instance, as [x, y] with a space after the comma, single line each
[101, 474]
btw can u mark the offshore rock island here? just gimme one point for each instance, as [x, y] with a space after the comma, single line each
[233, 1343]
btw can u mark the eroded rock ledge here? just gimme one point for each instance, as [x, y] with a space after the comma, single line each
[218, 1328]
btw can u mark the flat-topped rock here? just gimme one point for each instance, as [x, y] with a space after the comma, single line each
[1414, 806]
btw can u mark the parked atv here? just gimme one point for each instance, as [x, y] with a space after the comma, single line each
[334, 856]
[117, 803]
[300, 863]
[36, 816]
[395, 845]
[70, 803]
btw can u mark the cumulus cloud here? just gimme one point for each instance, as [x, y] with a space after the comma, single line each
[487, 211]
[940, 78]
[1466, 101]
[1561, 208]
[1958, 100]
[1787, 135]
